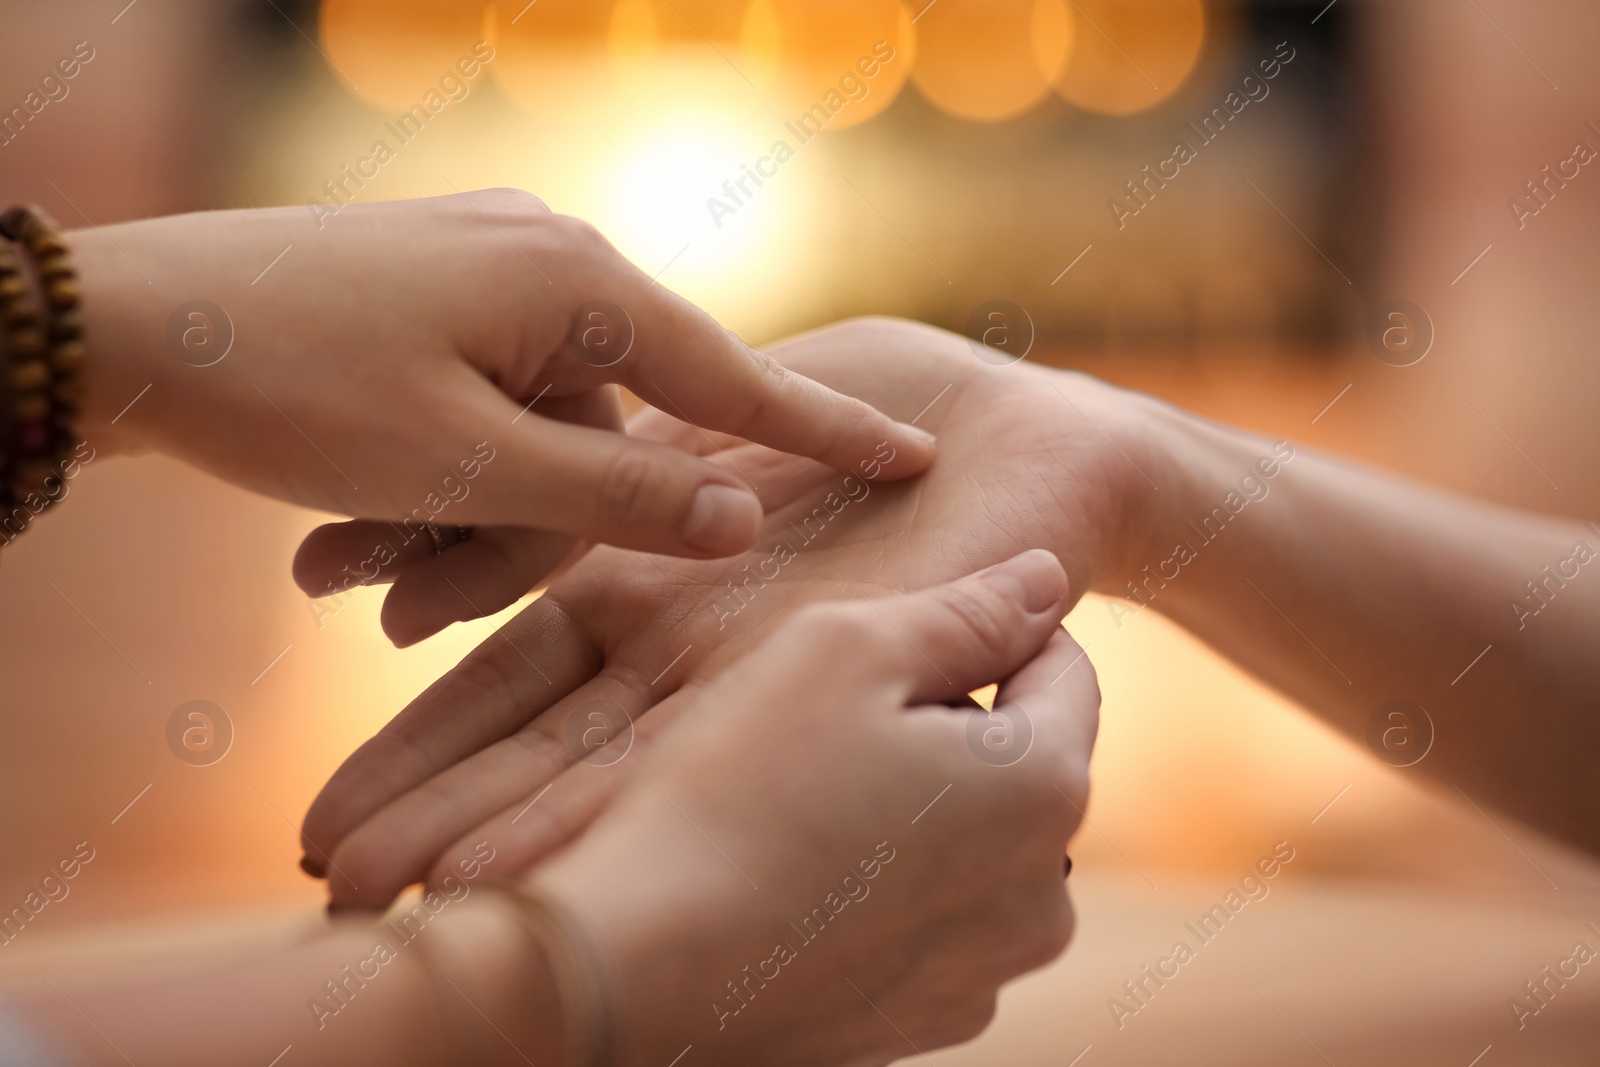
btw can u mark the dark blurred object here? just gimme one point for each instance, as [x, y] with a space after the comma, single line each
[1249, 243]
[151, 106]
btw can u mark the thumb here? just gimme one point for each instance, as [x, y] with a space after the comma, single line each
[956, 637]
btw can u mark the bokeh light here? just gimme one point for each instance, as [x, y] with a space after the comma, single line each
[393, 51]
[699, 21]
[851, 56]
[991, 59]
[652, 195]
[550, 56]
[1130, 55]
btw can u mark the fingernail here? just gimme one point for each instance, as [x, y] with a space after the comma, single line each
[1034, 579]
[722, 519]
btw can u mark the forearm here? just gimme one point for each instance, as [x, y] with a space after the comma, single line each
[1347, 588]
[336, 999]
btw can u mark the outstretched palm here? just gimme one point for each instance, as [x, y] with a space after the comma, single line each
[523, 742]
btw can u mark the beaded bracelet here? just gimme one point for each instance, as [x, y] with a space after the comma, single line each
[43, 361]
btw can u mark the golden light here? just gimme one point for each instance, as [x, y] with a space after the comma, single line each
[989, 60]
[1131, 54]
[550, 56]
[391, 52]
[635, 34]
[681, 198]
[650, 38]
[698, 21]
[850, 58]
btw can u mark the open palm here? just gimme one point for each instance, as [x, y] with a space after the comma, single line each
[525, 740]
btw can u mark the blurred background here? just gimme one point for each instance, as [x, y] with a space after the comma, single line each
[1020, 155]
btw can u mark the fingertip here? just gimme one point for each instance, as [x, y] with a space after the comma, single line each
[919, 442]
[1033, 579]
[427, 601]
[903, 451]
[404, 625]
[309, 568]
[722, 520]
[347, 898]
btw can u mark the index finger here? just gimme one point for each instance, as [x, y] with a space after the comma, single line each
[675, 357]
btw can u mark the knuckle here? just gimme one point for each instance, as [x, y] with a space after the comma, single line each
[1054, 792]
[1053, 934]
[966, 1021]
[771, 381]
[506, 202]
[580, 237]
[932, 345]
[985, 619]
[628, 488]
[876, 325]
[537, 234]
[484, 680]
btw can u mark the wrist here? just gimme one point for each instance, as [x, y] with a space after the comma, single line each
[1208, 476]
[486, 964]
[1127, 469]
[665, 954]
[119, 332]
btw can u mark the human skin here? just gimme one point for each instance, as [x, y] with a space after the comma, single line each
[453, 357]
[1345, 588]
[928, 876]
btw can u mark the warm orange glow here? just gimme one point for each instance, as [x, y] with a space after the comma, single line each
[697, 21]
[1131, 54]
[991, 59]
[652, 39]
[550, 55]
[391, 52]
[850, 56]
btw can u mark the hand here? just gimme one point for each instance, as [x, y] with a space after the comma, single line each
[442, 361]
[917, 876]
[1027, 460]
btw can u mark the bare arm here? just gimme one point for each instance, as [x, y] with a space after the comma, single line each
[1348, 588]
[415, 1004]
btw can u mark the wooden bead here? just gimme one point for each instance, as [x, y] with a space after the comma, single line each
[53, 267]
[64, 292]
[45, 393]
[69, 391]
[15, 223]
[44, 242]
[31, 407]
[30, 375]
[27, 341]
[66, 325]
[20, 311]
[69, 357]
[32, 436]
